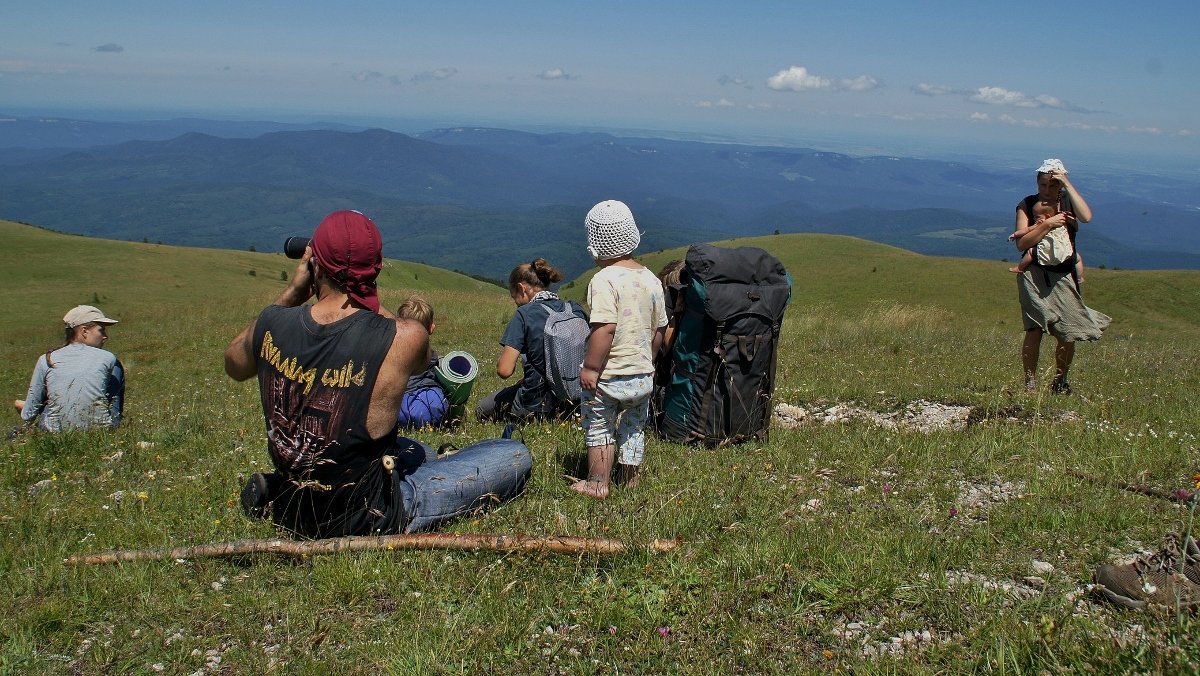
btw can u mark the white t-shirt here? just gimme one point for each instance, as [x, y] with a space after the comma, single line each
[633, 300]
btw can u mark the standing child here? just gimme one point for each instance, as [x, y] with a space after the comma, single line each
[628, 318]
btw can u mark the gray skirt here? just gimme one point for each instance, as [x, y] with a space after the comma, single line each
[1050, 301]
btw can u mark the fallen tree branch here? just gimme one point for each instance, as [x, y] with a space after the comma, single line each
[300, 548]
[1132, 488]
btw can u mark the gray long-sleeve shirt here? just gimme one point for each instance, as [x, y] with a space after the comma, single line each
[84, 388]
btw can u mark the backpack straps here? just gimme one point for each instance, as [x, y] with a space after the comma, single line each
[1069, 264]
[46, 377]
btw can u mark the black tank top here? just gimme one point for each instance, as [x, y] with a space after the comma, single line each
[316, 382]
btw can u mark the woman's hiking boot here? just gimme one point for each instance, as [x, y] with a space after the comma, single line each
[1060, 386]
[1158, 578]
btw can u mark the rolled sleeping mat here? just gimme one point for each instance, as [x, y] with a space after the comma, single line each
[456, 372]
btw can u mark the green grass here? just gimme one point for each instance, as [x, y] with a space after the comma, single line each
[766, 581]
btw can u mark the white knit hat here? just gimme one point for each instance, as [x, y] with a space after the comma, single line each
[611, 231]
[1051, 166]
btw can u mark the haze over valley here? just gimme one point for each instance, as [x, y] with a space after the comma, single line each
[513, 195]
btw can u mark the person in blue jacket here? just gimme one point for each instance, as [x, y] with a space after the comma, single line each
[532, 398]
[79, 385]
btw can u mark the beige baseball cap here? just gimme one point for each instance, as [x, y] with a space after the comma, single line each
[85, 314]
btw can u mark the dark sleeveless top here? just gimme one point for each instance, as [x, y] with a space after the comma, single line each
[315, 381]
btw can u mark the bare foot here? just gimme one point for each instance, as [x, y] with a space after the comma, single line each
[595, 489]
[19, 405]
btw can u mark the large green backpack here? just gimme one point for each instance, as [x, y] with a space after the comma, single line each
[722, 369]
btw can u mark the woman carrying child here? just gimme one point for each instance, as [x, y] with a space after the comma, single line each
[628, 321]
[1048, 288]
[532, 398]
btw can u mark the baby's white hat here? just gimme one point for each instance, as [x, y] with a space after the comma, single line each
[611, 231]
[1051, 166]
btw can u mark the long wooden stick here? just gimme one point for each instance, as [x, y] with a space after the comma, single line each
[300, 548]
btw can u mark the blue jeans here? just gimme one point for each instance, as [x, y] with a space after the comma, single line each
[480, 475]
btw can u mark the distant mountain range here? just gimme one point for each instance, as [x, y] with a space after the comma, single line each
[482, 200]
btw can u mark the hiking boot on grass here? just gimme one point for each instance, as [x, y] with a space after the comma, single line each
[256, 495]
[1155, 579]
[1060, 386]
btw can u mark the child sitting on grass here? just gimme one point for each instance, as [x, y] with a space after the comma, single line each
[425, 403]
[628, 318]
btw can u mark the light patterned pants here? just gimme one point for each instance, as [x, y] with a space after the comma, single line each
[623, 398]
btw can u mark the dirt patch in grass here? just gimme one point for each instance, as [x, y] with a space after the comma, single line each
[921, 416]
[918, 416]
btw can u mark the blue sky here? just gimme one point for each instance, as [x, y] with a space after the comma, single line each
[1065, 78]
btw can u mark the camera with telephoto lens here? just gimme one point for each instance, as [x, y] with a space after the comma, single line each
[293, 247]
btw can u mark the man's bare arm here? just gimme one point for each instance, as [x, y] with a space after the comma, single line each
[239, 356]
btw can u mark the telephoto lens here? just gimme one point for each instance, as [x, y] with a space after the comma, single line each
[293, 247]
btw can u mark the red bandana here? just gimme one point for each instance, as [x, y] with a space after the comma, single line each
[348, 246]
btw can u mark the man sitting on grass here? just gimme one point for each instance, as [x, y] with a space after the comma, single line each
[331, 376]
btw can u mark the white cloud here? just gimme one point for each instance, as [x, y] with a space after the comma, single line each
[109, 47]
[719, 103]
[366, 75]
[14, 67]
[926, 89]
[999, 96]
[1043, 123]
[1052, 102]
[798, 79]
[556, 74]
[436, 74]
[861, 83]
[737, 81]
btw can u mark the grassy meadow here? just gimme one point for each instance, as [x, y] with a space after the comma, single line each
[832, 547]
